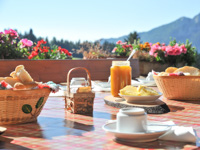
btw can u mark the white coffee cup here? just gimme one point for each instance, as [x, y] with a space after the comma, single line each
[131, 120]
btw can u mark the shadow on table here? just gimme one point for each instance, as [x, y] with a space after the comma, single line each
[159, 144]
[5, 144]
[175, 108]
[32, 129]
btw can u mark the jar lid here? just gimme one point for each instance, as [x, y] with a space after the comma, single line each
[132, 111]
[121, 63]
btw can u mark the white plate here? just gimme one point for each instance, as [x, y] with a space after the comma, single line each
[2, 130]
[153, 133]
[140, 99]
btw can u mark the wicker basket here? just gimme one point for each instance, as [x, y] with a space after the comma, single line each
[21, 106]
[179, 87]
[79, 103]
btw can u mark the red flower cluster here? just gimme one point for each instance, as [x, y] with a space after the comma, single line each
[40, 43]
[40, 48]
[13, 34]
[127, 46]
[64, 51]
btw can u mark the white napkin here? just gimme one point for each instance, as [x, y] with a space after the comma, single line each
[150, 77]
[148, 81]
[180, 134]
[101, 86]
[137, 83]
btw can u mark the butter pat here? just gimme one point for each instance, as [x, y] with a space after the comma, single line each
[138, 91]
[129, 90]
[146, 91]
[84, 89]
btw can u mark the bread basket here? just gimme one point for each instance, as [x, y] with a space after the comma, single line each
[179, 87]
[21, 106]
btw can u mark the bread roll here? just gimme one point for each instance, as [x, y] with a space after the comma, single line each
[10, 80]
[171, 69]
[28, 86]
[19, 86]
[21, 74]
[188, 69]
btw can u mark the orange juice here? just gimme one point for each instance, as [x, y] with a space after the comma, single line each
[120, 76]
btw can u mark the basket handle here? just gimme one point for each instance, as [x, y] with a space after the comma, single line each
[77, 68]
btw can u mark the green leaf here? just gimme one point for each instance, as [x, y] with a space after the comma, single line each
[39, 103]
[26, 108]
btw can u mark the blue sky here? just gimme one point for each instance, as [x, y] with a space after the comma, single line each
[91, 19]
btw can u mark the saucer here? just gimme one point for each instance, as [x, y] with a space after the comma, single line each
[140, 99]
[2, 130]
[154, 131]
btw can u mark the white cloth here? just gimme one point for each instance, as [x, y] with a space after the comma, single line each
[100, 86]
[105, 86]
[137, 83]
[180, 134]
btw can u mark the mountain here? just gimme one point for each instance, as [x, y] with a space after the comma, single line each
[180, 29]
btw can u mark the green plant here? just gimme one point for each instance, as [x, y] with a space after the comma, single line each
[191, 56]
[132, 37]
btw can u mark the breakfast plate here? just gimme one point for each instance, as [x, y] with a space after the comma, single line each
[154, 131]
[2, 130]
[140, 99]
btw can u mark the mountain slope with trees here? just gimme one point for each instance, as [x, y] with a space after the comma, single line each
[181, 30]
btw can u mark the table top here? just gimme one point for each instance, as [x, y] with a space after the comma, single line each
[58, 129]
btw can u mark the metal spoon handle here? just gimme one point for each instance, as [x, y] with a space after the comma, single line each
[132, 53]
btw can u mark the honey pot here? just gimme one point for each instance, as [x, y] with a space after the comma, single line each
[120, 76]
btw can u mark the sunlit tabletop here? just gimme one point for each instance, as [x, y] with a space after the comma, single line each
[58, 129]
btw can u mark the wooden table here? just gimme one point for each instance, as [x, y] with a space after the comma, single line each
[57, 129]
